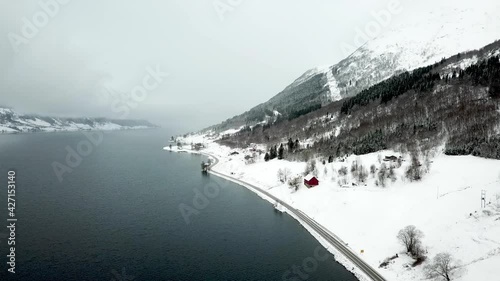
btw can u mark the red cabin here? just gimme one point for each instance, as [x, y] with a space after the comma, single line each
[311, 181]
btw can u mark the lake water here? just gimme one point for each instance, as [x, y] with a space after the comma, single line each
[116, 217]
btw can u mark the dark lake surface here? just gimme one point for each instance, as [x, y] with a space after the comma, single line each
[116, 216]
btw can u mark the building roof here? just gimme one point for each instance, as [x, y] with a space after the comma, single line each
[309, 177]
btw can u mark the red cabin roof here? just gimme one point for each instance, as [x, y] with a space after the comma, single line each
[311, 181]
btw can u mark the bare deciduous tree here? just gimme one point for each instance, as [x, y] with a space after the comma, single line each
[414, 171]
[343, 171]
[283, 174]
[311, 168]
[294, 183]
[362, 174]
[410, 237]
[373, 169]
[391, 174]
[442, 266]
[382, 174]
[419, 252]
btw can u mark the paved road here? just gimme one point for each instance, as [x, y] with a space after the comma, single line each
[321, 230]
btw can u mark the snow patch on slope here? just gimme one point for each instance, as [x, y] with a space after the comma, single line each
[439, 34]
[332, 85]
[419, 39]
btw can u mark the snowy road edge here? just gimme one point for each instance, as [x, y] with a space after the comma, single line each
[349, 259]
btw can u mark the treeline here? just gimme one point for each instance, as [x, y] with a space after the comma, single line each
[481, 138]
[298, 113]
[478, 146]
[460, 110]
[279, 152]
[371, 142]
[421, 80]
[461, 113]
[486, 73]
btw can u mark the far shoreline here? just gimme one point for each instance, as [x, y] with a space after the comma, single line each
[73, 131]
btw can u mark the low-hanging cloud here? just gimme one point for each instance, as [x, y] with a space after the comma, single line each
[223, 57]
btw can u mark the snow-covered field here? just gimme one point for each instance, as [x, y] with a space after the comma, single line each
[445, 205]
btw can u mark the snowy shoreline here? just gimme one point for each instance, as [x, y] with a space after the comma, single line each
[445, 205]
[13, 123]
[77, 130]
[338, 256]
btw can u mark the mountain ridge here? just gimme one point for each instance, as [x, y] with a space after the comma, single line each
[12, 122]
[453, 103]
[417, 43]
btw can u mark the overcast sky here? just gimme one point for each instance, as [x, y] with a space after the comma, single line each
[223, 57]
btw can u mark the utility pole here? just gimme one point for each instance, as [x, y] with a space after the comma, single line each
[483, 198]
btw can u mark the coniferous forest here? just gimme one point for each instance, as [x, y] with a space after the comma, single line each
[437, 105]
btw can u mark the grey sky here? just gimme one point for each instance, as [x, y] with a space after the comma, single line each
[218, 66]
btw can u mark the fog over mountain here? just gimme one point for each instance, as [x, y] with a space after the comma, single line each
[424, 39]
[73, 58]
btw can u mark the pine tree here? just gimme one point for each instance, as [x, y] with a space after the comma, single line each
[280, 152]
[494, 90]
[273, 153]
[330, 159]
[266, 157]
[290, 145]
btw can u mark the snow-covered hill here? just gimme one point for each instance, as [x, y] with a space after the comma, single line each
[11, 122]
[423, 39]
[445, 205]
[367, 214]
[417, 38]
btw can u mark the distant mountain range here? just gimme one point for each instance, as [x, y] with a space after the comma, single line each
[424, 41]
[11, 122]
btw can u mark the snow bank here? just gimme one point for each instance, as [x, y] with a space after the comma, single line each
[445, 205]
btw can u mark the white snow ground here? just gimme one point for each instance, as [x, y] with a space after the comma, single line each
[445, 205]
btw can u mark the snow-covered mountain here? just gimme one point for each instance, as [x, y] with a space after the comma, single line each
[11, 122]
[420, 38]
[419, 42]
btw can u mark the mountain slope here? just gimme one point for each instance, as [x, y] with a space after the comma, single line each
[389, 162]
[11, 122]
[423, 39]
[454, 102]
